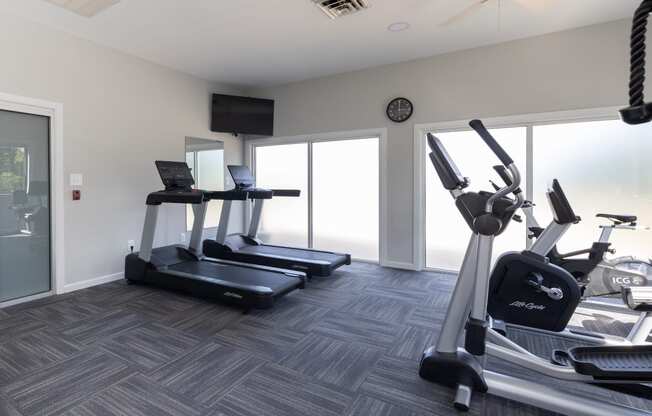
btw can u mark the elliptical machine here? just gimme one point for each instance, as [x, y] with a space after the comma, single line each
[488, 215]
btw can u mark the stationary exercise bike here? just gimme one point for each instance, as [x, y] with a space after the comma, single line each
[622, 369]
[599, 275]
[602, 276]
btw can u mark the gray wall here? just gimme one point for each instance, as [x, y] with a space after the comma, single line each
[583, 68]
[120, 114]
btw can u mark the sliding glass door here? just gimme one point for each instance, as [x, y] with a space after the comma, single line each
[206, 161]
[604, 166]
[24, 205]
[346, 184]
[284, 220]
[340, 194]
[447, 235]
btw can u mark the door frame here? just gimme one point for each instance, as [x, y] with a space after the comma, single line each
[54, 111]
[383, 203]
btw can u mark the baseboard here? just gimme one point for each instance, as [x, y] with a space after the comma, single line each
[71, 287]
[399, 265]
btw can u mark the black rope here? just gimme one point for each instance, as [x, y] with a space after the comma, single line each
[637, 60]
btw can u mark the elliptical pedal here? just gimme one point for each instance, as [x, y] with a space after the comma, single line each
[606, 363]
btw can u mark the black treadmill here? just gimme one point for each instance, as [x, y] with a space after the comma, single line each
[247, 248]
[185, 269]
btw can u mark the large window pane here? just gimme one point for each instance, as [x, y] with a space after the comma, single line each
[447, 234]
[346, 197]
[284, 220]
[208, 170]
[604, 167]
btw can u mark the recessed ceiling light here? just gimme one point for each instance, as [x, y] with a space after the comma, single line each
[398, 27]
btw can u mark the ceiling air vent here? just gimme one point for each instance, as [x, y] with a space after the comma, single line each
[86, 8]
[339, 8]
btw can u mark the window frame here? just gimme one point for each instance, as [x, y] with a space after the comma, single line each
[527, 121]
[310, 139]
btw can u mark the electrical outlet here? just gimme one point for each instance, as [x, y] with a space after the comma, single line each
[131, 245]
[182, 237]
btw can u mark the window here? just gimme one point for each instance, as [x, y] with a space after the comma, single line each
[206, 161]
[339, 207]
[13, 169]
[602, 164]
[604, 167]
[447, 234]
[345, 212]
[284, 220]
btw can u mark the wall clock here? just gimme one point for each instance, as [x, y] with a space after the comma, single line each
[400, 110]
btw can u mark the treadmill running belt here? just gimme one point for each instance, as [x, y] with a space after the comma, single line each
[296, 253]
[278, 282]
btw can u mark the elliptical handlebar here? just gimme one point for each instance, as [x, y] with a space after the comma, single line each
[482, 131]
[504, 175]
[507, 161]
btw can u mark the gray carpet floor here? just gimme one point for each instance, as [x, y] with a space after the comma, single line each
[346, 345]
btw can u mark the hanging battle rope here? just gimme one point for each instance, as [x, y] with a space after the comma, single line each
[638, 111]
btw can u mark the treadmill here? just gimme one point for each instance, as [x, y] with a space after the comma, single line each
[185, 269]
[247, 248]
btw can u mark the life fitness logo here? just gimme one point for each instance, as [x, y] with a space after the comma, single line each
[527, 305]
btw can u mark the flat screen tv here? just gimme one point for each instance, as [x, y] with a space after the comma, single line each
[242, 115]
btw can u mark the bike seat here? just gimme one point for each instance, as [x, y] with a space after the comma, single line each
[618, 218]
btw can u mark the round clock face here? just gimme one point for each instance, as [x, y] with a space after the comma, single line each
[400, 110]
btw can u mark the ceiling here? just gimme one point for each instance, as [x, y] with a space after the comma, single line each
[269, 42]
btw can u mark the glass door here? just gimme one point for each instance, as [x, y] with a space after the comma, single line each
[447, 234]
[345, 212]
[604, 167]
[206, 161]
[339, 207]
[284, 220]
[25, 264]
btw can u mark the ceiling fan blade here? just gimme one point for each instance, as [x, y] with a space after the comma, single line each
[464, 13]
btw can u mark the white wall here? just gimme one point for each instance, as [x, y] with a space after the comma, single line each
[120, 114]
[582, 68]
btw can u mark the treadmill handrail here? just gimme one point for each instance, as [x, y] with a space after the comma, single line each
[287, 192]
[230, 195]
[194, 196]
[259, 193]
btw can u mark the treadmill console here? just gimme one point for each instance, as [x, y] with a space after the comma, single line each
[176, 176]
[242, 176]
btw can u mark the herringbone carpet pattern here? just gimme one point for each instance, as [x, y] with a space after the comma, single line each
[346, 345]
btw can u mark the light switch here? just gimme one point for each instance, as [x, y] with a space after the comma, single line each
[76, 179]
